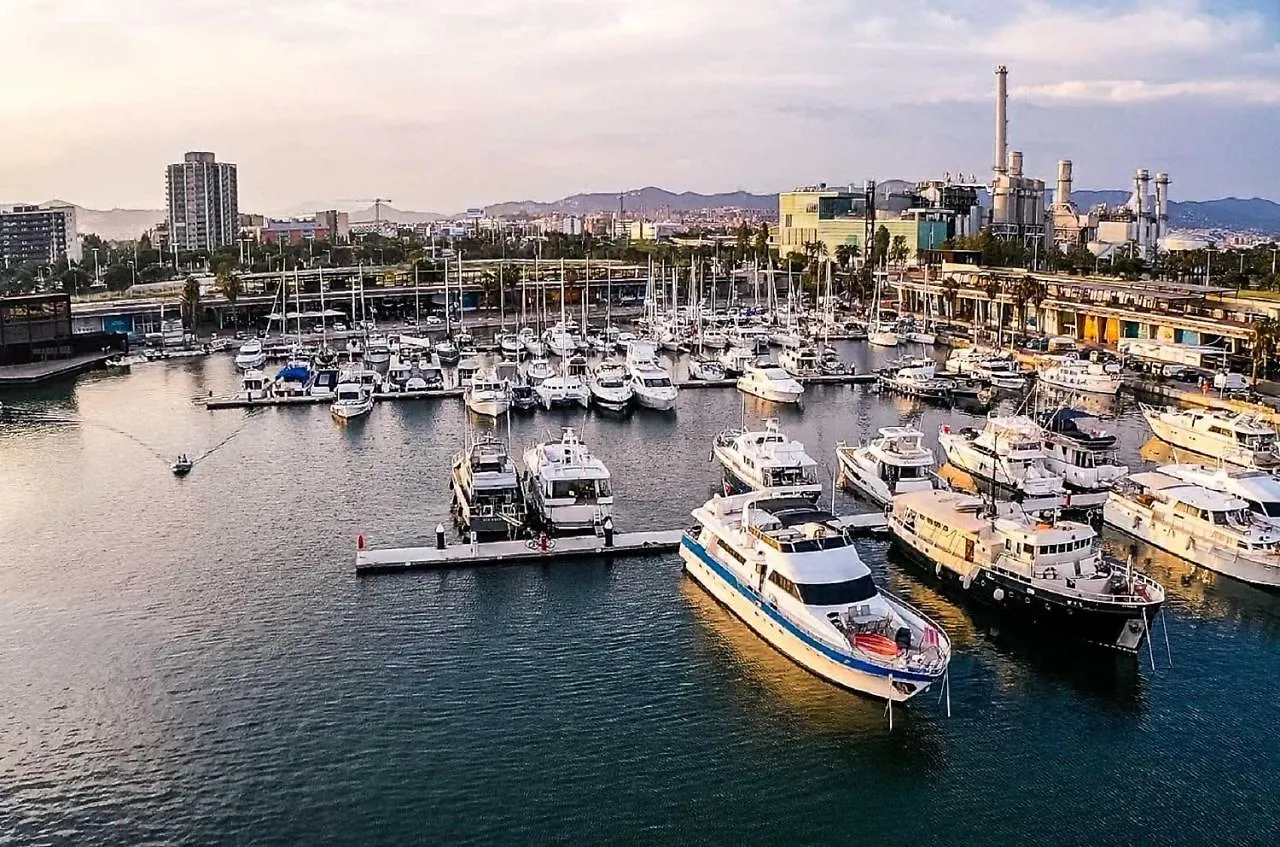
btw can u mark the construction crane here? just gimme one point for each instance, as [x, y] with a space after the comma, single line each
[376, 201]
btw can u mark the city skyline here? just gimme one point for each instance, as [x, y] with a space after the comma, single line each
[466, 106]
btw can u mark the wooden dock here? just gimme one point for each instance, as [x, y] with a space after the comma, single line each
[398, 559]
[37, 372]
[308, 400]
[456, 555]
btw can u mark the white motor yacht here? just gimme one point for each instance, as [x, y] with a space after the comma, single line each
[377, 351]
[398, 373]
[1209, 528]
[753, 338]
[609, 386]
[1081, 451]
[770, 382]
[791, 574]
[1009, 452]
[487, 500]
[255, 385]
[650, 383]
[799, 361]
[1072, 374]
[1044, 572]
[567, 489]
[487, 395]
[757, 460]
[352, 399]
[1259, 489]
[251, 355]
[1000, 371]
[1231, 437]
[894, 462]
[916, 377]
[510, 346]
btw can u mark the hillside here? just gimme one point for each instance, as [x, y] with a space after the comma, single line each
[649, 201]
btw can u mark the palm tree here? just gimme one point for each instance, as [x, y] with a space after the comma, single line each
[845, 255]
[191, 302]
[1266, 333]
[992, 290]
[231, 286]
[951, 292]
[1030, 290]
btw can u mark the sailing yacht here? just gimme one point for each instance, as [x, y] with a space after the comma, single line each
[893, 463]
[566, 488]
[757, 460]
[791, 574]
[487, 395]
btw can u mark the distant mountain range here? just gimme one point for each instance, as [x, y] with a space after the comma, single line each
[1229, 213]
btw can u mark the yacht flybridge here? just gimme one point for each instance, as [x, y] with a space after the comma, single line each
[758, 460]
[791, 574]
[1259, 489]
[1231, 437]
[486, 491]
[893, 463]
[1209, 528]
[566, 488]
[1050, 574]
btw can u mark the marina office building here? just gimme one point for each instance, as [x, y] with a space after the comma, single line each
[1094, 310]
[838, 217]
[39, 235]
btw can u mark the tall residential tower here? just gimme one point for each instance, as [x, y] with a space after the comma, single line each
[203, 203]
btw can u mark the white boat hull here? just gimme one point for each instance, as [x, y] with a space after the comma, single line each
[350, 411]
[1092, 384]
[664, 402]
[1203, 443]
[1136, 520]
[773, 395]
[494, 407]
[926, 338]
[785, 637]
[883, 339]
[984, 466]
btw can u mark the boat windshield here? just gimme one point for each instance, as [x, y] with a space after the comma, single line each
[581, 490]
[1263, 441]
[657, 382]
[782, 477]
[837, 593]
[1270, 508]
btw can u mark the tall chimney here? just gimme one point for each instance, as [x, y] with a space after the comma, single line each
[1015, 163]
[1002, 118]
[1162, 205]
[1145, 215]
[1062, 197]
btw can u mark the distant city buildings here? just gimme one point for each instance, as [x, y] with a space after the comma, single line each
[203, 203]
[332, 226]
[838, 216]
[39, 235]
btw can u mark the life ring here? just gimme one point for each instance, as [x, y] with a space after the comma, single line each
[1051, 572]
[998, 594]
[966, 581]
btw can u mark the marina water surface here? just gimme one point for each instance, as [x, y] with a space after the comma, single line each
[194, 660]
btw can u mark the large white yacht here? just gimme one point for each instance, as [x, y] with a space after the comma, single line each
[770, 382]
[251, 355]
[789, 572]
[255, 385]
[1074, 374]
[563, 390]
[487, 395]
[651, 384]
[609, 386]
[566, 488]
[799, 361]
[757, 460]
[1009, 452]
[1231, 437]
[1260, 489]
[1049, 573]
[1081, 451]
[1208, 528]
[894, 462]
[352, 398]
[486, 490]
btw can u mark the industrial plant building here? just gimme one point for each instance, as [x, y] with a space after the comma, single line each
[837, 216]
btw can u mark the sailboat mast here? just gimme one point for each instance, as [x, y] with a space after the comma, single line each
[448, 333]
[324, 326]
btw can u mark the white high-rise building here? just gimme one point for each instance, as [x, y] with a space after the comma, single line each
[204, 203]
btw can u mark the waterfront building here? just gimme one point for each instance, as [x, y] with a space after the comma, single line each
[38, 328]
[39, 235]
[839, 217]
[203, 203]
[332, 226]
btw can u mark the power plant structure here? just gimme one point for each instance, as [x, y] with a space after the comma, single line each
[1018, 209]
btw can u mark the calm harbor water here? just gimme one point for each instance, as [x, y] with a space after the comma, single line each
[194, 660]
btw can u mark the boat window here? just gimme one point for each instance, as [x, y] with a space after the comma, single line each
[581, 490]
[657, 382]
[785, 584]
[1270, 509]
[1220, 518]
[1217, 430]
[838, 593]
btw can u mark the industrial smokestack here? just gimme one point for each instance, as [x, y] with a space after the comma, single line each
[1002, 117]
[1062, 196]
[1162, 205]
[1142, 181]
[1015, 163]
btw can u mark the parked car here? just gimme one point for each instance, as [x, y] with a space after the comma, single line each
[339, 327]
[434, 320]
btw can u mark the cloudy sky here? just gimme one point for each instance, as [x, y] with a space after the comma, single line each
[442, 105]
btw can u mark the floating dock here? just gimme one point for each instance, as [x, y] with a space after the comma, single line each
[37, 372]
[401, 559]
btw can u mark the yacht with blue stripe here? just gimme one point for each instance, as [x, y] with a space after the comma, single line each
[790, 572]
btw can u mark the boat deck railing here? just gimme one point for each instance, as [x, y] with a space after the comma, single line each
[1152, 587]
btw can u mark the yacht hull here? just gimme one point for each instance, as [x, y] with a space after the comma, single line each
[1133, 519]
[494, 408]
[771, 394]
[1205, 444]
[655, 402]
[779, 633]
[986, 468]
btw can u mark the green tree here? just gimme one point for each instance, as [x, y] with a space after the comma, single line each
[951, 293]
[898, 250]
[880, 247]
[231, 286]
[762, 243]
[1266, 332]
